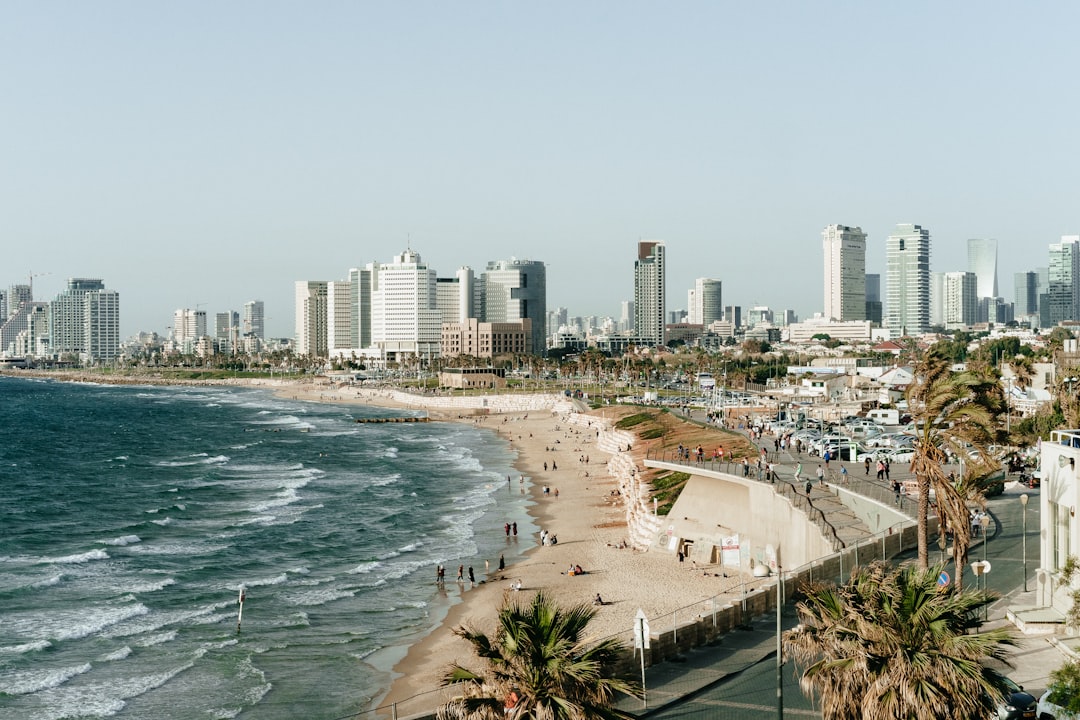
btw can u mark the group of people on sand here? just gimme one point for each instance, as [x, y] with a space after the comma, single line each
[547, 538]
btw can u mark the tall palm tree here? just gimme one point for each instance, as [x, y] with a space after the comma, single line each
[539, 656]
[891, 645]
[952, 411]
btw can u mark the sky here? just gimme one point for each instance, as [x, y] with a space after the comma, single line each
[203, 154]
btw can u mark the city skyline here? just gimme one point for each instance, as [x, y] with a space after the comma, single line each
[209, 164]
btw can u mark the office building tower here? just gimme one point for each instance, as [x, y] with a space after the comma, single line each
[907, 259]
[340, 334]
[85, 320]
[704, 302]
[937, 299]
[254, 313]
[960, 302]
[626, 316]
[405, 321]
[227, 327]
[188, 326]
[17, 296]
[733, 315]
[515, 290]
[845, 272]
[456, 297]
[310, 325]
[1061, 301]
[874, 306]
[650, 309]
[360, 312]
[101, 325]
[1027, 294]
[982, 260]
[3, 307]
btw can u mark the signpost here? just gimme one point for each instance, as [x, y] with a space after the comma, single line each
[641, 642]
[943, 580]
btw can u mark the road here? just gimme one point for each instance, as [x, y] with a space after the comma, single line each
[751, 694]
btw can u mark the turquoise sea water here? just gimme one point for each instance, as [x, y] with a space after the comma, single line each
[130, 517]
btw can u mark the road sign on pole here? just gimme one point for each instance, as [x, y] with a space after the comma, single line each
[641, 642]
[943, 579]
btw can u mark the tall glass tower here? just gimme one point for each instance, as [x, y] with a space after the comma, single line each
[982, 260]
[907, 258]
[845, 272]
[650, 311]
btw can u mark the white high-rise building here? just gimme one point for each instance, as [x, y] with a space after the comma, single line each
[960, 300]
[650, 307]
[254, 313]
[456, 296]
[907, 259]
[188, 325]
[982, 260]
[101, 325]
[845, 272]
[311, 320]
[1061, 301]
[514, 290]
[704, 302]
[340, 333]
[404, 318]
[85, 320]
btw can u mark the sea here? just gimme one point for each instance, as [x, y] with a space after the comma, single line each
[132, 516]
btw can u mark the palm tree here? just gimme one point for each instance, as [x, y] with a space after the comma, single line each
[892, 645]
[952, 411]
[539, 654]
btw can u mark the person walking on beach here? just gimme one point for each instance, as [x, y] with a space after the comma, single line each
[506, 527]
[460, 573]
[513, 528]
[502, 562]
[472, 578]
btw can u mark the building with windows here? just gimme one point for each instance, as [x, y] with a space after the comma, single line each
[254, 319]
[907, 260]
[405, 321]
[845, 273]
[310, 326]
[188, 326]
[874, 306]
[960, 302]
[704, 302]
[84, 320]
[1061, 300]
[456, 297]
[1027, 295]
[515, 290]
[982, 260]
[650, 308]
[486, 339]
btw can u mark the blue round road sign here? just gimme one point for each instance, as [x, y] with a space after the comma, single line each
[943, 579]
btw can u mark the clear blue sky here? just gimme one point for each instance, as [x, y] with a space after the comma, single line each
[212, 153]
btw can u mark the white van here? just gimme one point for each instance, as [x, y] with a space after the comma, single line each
[884, 417]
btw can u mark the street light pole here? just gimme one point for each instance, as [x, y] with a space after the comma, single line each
[1023, 506]
[779, 644]
[985, 522]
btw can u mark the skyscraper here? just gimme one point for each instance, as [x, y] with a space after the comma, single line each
[982, 260]
[705, 305]
[845, 272]
[960, 302]
[1027, 294]
[310, 326]
[253, 319]
[907, 258]
[85, 320]
[873, 298]
[405, 320]
[514, 290]
[1061, 301]
[650, 309]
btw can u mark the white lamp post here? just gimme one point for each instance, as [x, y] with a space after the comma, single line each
[1023, 506]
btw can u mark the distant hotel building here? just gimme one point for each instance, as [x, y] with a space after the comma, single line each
[907, 258]
[85, 321]
[650, 309]
[704, 302]
[845, 272]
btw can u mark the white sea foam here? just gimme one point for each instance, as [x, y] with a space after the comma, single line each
[76, 559]
[123, 540]
[390, 452]
[163, 522]
[25, 647]
[116, 654]
[276, 580]
[313, 598]
[156, 639]
[48, 582]
[366, 567]
[151, 586]
[21, 682]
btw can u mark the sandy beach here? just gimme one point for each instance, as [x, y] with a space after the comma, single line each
[576, 499]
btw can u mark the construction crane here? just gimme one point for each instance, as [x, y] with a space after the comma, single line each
[31, 278]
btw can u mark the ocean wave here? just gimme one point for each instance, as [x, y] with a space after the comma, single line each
[117, 654]
[76, 559]
[163, 522]
[25, 647]
[175, 548]
[156, 639]
[386, 480]
[152, 586]
[23, 682]
[123, 540]
[365, 567]
[314, 598]
[196, 459]
[281, 499]
[390, 452]
[262, 582]
[47, 582]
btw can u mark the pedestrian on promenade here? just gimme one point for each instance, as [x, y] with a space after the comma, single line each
[798, 472]
[887, 466]
[820, 475]
[809, 487]
[866, 462]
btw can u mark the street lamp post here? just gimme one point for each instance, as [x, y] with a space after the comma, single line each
[1023, 506]
[985, 522]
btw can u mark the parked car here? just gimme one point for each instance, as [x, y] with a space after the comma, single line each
[1018, 705]
[1048, 710]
